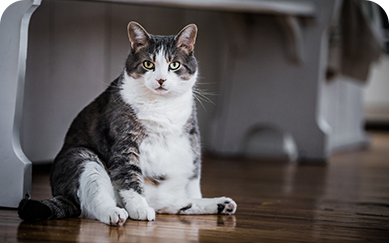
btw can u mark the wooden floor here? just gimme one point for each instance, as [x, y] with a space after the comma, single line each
[345, 200]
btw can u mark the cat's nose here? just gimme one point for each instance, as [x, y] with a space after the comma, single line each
[161, 81]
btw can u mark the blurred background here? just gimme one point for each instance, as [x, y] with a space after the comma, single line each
[298, 79]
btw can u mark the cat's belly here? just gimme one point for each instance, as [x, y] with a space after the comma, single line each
[166, 156]
[167, 165]
[170, 191]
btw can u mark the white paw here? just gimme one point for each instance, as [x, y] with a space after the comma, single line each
[142, 213]
[114, 216]
[226, 205]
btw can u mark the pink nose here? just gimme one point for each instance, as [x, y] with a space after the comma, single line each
[161, 81]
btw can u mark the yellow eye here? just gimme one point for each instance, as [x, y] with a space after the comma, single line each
[148, 65]
[174, 65]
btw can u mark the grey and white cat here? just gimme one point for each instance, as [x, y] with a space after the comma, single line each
[135, 150]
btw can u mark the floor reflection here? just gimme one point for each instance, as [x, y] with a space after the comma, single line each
[173, 227]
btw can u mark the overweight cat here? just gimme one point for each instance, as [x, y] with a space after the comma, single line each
[135, 150]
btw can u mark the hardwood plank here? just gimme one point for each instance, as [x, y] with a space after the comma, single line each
[278, 201]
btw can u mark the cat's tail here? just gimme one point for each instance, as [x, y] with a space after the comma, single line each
[58, 207]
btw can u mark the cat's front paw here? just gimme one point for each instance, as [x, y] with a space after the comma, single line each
[226, 206]
[142, 213]
[114, 216]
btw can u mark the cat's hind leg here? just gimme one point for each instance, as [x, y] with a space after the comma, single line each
[97, 196]
[187, 199]
[219, 205]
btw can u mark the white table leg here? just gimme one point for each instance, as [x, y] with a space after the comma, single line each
[15, 168]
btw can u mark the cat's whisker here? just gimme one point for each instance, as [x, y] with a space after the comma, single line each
[201, 95]
[105, 83]
[204, 95]
[200, 101]
[203, 90]
[201, 83]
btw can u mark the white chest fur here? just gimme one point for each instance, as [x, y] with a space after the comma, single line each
[166, 151]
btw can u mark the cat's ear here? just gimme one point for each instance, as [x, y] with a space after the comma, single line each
[137, 35]
[186, 38]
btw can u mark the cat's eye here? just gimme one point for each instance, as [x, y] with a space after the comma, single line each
[148, 65]
[174, 65]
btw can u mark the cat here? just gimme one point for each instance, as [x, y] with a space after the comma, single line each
[135, 150]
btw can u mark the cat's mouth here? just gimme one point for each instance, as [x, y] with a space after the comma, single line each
[161, 90]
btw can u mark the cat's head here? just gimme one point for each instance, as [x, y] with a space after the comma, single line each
[161, 65]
